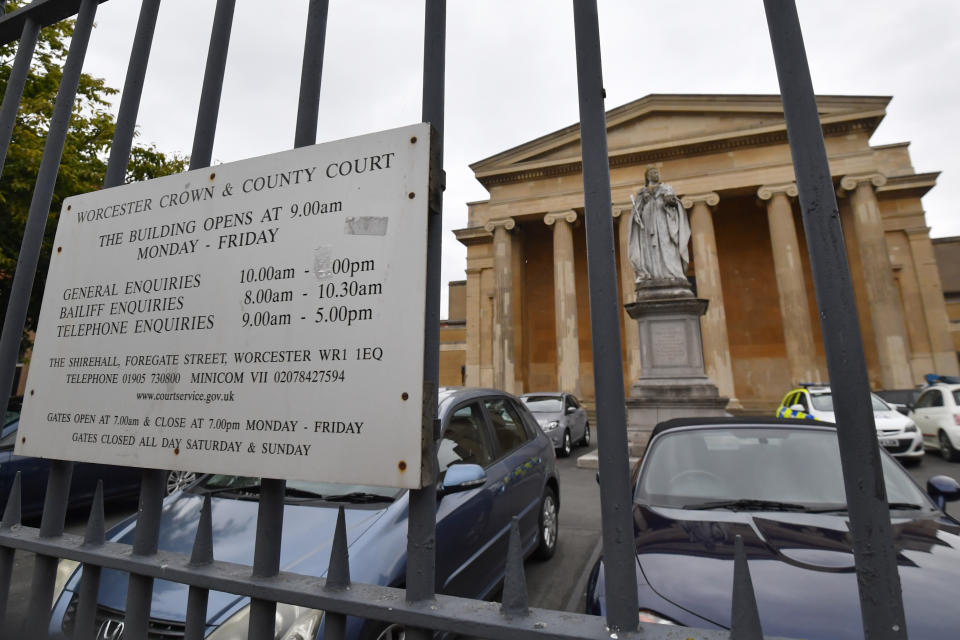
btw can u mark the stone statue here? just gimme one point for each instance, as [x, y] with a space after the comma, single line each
[659, 234]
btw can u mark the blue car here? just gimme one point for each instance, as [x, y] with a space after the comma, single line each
[777, 484]
[118, 482]
[495, 463]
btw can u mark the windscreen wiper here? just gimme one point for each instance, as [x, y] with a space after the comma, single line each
[295, 492]
[748, 504]
[905, 505]
[358, 497]
[252, 488]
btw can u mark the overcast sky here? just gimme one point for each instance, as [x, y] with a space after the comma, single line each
[511, 74]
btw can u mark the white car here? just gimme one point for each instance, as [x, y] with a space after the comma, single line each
[898, 434]
[937, 413]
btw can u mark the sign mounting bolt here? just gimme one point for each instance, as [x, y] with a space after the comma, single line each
[403, 396]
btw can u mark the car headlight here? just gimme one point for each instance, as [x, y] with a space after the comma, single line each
[649, 617]
[293, 623]
[65, 569]
[910, 428]
[550, 426]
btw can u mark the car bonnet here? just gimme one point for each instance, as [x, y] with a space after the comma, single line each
[307, 537]
[801, 566]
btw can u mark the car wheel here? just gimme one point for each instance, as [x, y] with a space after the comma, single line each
[585, 440]
[567, 445]
[177, 480]
[547, 526]
[946, 449]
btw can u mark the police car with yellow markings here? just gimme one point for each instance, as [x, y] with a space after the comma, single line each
[898, 434]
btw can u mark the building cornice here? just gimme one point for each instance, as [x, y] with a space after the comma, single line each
[472, 235]
[666, 150]
[920, 183]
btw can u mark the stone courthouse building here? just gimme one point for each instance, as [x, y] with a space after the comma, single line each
[525, 300]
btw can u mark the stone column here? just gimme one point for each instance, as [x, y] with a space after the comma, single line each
[631, 336]
[791, 285]
[503, 363]
[716, 345]
[473, 328]
[934, 308]
[565, 301]
[885, 314]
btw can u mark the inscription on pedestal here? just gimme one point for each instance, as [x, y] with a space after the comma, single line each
[669, 342]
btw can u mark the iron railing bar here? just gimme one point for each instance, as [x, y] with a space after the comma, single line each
[308, 107]
[266, 561]
[132, 92]
[422, 521]
[51, 526]
[209, 109]
[202, 555]
[338, 578]
[22, 286]
[58, 483]
[146, 537]
[616, 504]
[15, 84]
[11, 518]
[266, 555]
[445, 613]
[881, 602]
[83, 628]
[43, 12]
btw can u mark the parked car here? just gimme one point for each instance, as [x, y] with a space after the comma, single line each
[118, 482]
[495, 463]
[898, 433]
[778, 484]
[937, 414]
[561, 417]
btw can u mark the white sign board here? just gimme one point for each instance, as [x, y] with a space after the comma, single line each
[260, 318]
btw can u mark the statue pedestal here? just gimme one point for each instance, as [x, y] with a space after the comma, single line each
[674, 383]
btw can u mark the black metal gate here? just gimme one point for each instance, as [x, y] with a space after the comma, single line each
[418, 607]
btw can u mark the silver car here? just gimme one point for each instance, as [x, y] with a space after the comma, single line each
[561, 417]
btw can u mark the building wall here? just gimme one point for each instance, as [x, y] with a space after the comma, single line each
[947, 252]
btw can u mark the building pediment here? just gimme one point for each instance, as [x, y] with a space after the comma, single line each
[659, 127]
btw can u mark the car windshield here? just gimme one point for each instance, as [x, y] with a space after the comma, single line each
[247, 486]
[798, 467]
[824, 402]
[543, 404]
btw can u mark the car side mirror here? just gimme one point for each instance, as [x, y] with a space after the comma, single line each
[910, 406]
[570, 410]
[902, 408]
[463, 477]
[943, 489]
[798, 407]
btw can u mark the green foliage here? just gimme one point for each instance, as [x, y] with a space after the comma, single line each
[85, 153]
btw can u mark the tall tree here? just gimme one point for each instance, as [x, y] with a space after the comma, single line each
[83, 166]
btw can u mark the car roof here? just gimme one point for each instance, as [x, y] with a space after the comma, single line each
[466, 393]
[730, 421]
[551, 394]
[941, 385]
